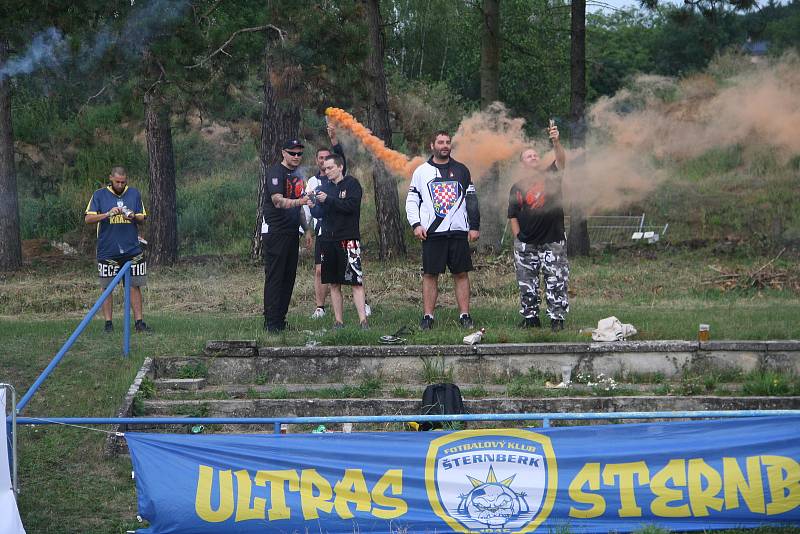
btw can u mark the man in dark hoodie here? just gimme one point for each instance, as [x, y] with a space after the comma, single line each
[442, 208]
[338, 205]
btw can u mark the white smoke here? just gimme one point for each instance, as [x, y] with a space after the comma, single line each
[49, 49]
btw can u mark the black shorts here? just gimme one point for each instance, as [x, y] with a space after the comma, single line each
[341, 263]
[108, 269]
[317, 251]
[450, 252]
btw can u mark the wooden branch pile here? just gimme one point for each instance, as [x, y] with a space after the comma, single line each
[764, 277]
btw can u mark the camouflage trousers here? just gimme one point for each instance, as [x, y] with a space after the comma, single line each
[551, 260]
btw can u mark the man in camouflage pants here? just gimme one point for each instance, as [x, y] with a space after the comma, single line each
[537, 223]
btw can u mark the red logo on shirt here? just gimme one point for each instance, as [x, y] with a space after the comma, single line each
[294, 187]
[535, 196]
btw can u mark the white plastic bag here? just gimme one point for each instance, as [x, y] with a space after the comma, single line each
[612, 329]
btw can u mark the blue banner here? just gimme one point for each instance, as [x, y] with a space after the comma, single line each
[679, 476]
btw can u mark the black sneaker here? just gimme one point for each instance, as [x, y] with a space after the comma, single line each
[556, 325]
[530, 322]
[109, 327]
[364, 325]
[141, 326]
[426, 323]
[338, 326]
[465, 321]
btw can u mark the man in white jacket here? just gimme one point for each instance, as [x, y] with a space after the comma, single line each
[442, 208]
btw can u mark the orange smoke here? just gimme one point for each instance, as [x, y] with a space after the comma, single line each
[393, 160]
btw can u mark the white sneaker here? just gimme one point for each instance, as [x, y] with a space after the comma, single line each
[367, 310]
[319, 313]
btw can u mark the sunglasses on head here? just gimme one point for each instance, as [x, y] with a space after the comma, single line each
[295, 154]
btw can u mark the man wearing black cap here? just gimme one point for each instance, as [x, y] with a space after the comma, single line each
[281, 240]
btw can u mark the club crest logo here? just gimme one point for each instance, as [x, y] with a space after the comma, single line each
[444, 196]
[502, 480]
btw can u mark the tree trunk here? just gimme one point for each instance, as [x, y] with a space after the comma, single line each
[163, 217]
[280, 120]
[10, 243]
[491, 211]
[578, 240]
[490, 53]
[387, 202]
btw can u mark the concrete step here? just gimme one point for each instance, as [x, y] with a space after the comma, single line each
[180, 384]
[167, 389]
[392, 406]
[243, 362]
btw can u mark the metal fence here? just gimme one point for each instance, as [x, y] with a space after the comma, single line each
[617, 229]
[277, 422]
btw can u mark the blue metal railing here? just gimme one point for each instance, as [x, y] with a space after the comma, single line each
[124, 272]
[546, 418]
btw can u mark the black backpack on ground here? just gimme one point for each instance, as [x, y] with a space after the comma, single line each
[441, 399]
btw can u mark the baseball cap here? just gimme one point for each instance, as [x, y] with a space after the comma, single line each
[292, 143]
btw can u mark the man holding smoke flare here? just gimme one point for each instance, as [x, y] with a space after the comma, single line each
[316, 183]
[338, 205]
[442, 208]
[536, 213]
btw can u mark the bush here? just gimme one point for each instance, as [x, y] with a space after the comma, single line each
[217, 214]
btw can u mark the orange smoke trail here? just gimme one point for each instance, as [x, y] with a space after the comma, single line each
[394, 161]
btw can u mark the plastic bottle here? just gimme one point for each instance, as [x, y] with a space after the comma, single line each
[475, 337]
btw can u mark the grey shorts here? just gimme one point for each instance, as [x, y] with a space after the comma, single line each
[108, 269]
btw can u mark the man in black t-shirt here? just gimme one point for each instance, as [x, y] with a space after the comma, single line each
[536, 212]
[279, 233]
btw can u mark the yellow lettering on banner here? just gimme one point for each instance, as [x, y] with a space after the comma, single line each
[751, 488]
[784, 483]
[351, 488]
[589, 474]
[702, 498]
[310, 479]
[244, 491]
[675, 470]
[391, 480]
[625, 473]
[277, 494]
[202, 501]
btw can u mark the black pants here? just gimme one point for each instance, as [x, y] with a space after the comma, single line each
[280, 268]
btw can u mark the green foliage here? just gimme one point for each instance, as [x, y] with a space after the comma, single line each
[714, 162]
[435, 370]
[93, 163]
[147, 388]
[535, 73]
[402, 393]
[618, 45]
[423, 108]
[50, 216]
[210, 214]
[193, 370]
[771, 383]
[475, 392]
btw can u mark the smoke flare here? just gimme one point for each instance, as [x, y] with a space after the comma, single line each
[396, 162]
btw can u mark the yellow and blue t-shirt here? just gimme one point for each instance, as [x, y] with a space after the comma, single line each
[116, 236]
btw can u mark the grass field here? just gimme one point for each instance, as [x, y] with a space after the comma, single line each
[68, 486]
